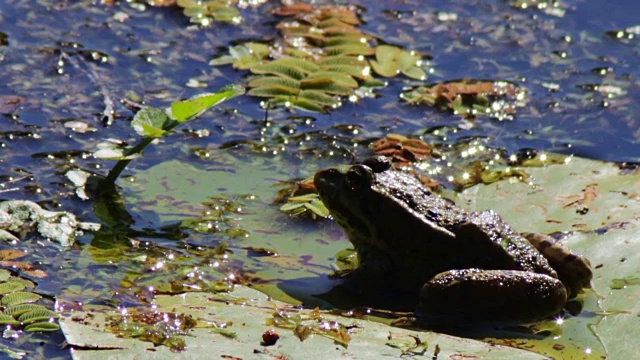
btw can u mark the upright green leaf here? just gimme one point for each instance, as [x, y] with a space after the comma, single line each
[150, 122]
[193, 107]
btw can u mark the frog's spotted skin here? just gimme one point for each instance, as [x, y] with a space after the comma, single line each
[410, 239]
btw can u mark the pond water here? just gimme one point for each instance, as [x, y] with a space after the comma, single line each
[64, 62]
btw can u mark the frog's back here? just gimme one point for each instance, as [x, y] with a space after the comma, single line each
[425, 234]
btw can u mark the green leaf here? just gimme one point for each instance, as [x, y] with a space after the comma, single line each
[388, 69]
[42, 326]
[326, 85]
[317, 207]
[150, 122]
[203, 12]
[415, 73]
[407, 60]
[280, 69]
[341, 60]
[243, 56]
[17, 310]
[356, 71]
[392, 60]
[6, 319]
[387, 53]
[346, 38]
[19, 297]
[349, 49]
[273, 91]
[185, 110]
[274, 81]
[223, 60]
[290, 206]
[37, 315]
[340, 79]
[306, 104]
[4, 275]
[318, 97]
[8, 287]
[306, 65]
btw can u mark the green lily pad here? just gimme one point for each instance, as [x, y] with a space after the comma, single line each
[598, 204]
[247, 310]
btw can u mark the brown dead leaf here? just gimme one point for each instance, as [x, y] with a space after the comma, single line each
[401, 150]
[36, 273]
[26, 268]
[293, 9]
[8, 103]
[450, 90]
[9, 254]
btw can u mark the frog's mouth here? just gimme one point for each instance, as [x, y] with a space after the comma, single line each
[334, 191]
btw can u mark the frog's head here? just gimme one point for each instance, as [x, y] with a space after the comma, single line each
[349, 194]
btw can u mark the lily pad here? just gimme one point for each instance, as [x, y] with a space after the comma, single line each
[248, 310]
[598, 204]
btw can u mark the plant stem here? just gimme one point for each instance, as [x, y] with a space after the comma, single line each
[113, 174]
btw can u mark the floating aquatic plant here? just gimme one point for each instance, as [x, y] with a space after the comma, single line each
[206, 12]
[320, 59]
[160, 328]
[470, 98]
[19, 308]
[308, 322]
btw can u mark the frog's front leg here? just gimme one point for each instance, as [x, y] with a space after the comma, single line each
[502, 296]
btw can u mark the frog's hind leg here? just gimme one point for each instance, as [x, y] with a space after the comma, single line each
[491, 296]
[573, 270]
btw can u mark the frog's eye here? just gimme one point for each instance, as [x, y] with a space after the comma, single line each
[360, 176]
[378, 163]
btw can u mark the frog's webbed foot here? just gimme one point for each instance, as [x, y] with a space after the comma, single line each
[573, 270]
[502, 296]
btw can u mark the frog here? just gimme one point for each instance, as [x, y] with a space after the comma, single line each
[459, 265]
